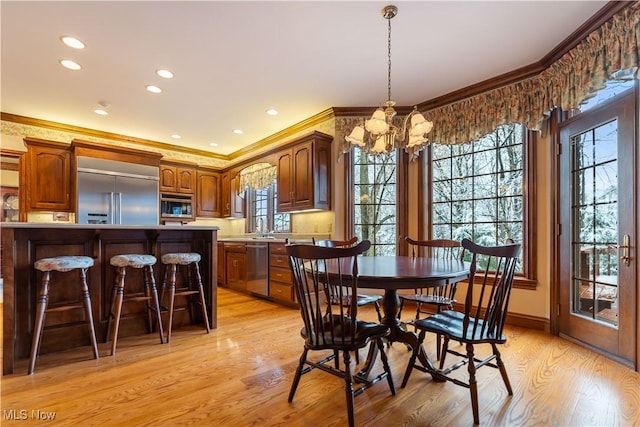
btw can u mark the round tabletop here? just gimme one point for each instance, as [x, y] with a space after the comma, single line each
[405, 272]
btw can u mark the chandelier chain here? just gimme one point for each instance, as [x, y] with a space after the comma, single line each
[389, 61]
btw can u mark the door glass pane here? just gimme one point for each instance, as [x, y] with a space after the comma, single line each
[595, 236]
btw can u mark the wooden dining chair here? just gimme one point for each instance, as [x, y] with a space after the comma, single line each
[433, 299]
[481, 321]
[361, 299]
[327, 323]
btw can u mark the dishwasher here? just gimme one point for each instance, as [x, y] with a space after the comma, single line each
[258, 268]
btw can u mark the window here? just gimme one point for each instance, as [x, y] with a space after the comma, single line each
[477, 189]
[374, 200]
[261, 215]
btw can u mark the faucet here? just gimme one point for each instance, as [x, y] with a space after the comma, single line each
[260, 227]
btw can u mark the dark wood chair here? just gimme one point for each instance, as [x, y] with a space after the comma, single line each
[482, 321]
[432, 300]
[361, 299]
[329, 325]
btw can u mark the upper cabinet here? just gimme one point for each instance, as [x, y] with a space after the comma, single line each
[48, 177]
[177, 178]
[231, 201]
[304, 174]
[208, 194]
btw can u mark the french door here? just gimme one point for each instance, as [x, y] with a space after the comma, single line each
[598, 239]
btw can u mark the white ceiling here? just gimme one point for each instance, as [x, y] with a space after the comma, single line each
[234, 60]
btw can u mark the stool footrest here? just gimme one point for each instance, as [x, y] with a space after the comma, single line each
[187, 293]
[65, 308]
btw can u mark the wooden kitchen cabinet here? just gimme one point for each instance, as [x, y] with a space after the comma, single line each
[221, 265]
[208, 194]
[280, 279]
[236, 266]
[304, 174]
[231, 200]
[48, 179]
[177, 178]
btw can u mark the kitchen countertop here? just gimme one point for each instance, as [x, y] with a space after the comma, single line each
[74, 226]
[278, 239]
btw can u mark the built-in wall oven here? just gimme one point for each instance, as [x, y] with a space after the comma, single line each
[258, 268]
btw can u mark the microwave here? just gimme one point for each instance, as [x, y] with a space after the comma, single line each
[176, 207]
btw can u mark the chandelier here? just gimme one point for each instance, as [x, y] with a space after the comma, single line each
[383, 136]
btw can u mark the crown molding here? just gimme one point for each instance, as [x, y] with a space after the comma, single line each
[30, 121]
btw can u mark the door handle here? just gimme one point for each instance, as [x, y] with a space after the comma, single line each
[626, 249]
[112, 208]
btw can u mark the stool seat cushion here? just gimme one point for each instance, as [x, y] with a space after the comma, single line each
[182, 258]
[132, 260]
[63, 263]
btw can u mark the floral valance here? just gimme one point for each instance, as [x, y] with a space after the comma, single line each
[258, 176]
[565, 83]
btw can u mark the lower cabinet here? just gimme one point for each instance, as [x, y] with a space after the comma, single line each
[280, 279]
[233, 271]
[236, 266]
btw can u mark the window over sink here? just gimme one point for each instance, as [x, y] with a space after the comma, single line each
[262, 217]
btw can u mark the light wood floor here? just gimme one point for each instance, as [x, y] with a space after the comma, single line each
[240, 375]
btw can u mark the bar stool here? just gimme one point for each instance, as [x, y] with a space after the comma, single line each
[62, 264]
[189, 260]
[145, 262]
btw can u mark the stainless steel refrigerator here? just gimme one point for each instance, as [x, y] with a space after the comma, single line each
[112, 192]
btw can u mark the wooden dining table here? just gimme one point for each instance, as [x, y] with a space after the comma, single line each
[392, 273]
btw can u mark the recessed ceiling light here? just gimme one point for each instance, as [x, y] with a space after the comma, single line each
[153, 89]
[272, 112]
[72, 42]
[176, 136]
[67, 63]
[101, 112]
[213, 144]
[237, 131]
[166, 74]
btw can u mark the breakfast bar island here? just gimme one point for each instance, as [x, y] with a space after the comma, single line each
[25, 243]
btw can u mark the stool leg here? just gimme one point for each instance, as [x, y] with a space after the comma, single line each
[203, 304]
[156, 301]
[190, 286]
[114, 293]
[172, 296]
[117, 305]
[147, 295]
[43, 300]
[89, 312]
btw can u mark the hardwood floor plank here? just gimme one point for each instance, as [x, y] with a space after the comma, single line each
[240, 375]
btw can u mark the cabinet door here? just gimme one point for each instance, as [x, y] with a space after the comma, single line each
[168, 178]
[176, 179]
[186, 180]
[302, 178]
[237, 271]
[285, 189]
[49, 178]
[208, 195]
[236, 200]
[225, 196]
